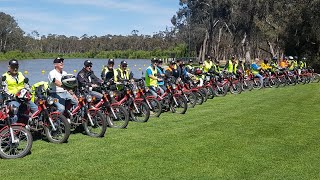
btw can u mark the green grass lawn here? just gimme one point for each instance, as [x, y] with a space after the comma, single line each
[263, 134]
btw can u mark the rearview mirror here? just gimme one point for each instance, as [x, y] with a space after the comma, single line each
[4, 78]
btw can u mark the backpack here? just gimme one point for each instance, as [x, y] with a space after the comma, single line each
[39, 89]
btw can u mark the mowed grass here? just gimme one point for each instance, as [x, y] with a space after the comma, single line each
[263, 134]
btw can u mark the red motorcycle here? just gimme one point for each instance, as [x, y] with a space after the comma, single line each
[119, 117]
[153, 104]
[92, 119]
[15, 139]
[138, 109]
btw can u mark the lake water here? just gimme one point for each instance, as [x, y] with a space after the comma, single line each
[37, 69]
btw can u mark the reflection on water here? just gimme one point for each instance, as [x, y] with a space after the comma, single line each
[38, 69]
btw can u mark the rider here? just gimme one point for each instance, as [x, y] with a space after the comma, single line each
[207, 64]
[14, 83]
[87, 77]
[161, 75]
[265, 65]
[170, 69]
[189, 66]
[56, 87]
[229, 65]
[152, 79]
[108, 71]
[122, 73]
[255, 68]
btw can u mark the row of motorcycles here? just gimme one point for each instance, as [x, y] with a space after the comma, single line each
[120, 103]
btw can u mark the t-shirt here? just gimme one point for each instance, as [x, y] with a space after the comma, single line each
[57, 75]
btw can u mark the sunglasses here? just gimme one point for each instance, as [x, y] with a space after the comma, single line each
[90, 66]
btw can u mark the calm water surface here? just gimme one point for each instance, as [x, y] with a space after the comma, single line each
[37, 69]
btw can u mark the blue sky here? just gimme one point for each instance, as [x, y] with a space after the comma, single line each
[91, 17]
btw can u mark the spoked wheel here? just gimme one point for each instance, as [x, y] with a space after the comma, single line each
[141, 114]
[199, 96]
[274, 82]
[282, 81]
[61, 131]
[20, 148]
[316, 78]
[220, 91]
[156, 108]
[192, 99]
[235, 88]
[120, 118]
[210, 92]
[99, 126]
[204, 92]
[257, 84]
[247, 85]
[179, 104]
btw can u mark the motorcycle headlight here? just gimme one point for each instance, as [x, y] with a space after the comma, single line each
[207, 78]
[111, 93]
[13, 109]
[173, 86]
[50, 100]
[88, 98]
[135, 92]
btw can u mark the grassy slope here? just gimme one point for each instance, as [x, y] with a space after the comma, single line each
[266, 134]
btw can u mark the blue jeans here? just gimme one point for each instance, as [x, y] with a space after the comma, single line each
[62, 98]
[154, 91]
[31, 104]
[96, 94]
[260, 77]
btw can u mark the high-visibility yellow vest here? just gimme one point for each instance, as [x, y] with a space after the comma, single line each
[149, 81]
[14, 85]
[119, 70]
[34, 87]
[207, 66]
[230, 66]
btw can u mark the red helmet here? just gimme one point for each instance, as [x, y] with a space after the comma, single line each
[23, 95]
[198, 71]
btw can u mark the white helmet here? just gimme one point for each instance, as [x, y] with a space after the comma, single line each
[290, 58]
[69, 81]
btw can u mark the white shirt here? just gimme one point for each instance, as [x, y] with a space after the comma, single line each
[57, 75]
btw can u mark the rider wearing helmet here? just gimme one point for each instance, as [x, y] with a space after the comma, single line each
[86, 77]
[152, 79]
[255, 68]
[207, 64]
[108, 71]
[229, 65]
[265, 65]
[189, 66]
[274, 64]
[122, 73]
[15, 82]
[59, 81]
[161, 75]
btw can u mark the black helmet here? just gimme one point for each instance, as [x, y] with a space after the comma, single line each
[87, 63]
[69, 81]
[190, 60]
[154, 60]
[124, 63]
[173, 62]
[111, 61]
[295, 57]
[274, 58]
[13, 62]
